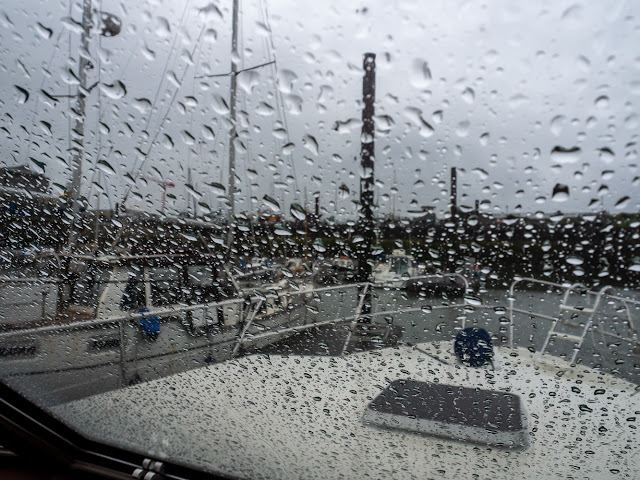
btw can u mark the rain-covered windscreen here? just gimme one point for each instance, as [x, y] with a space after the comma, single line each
[278, 239]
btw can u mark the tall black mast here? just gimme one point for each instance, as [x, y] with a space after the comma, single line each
[367, 157]
[454, 195]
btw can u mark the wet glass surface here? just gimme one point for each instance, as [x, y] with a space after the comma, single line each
[226, 227]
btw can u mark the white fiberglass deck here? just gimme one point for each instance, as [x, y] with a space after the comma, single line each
[301, 417]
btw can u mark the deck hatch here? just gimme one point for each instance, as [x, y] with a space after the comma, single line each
[469, 414]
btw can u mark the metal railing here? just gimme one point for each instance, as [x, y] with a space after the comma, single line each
[564, 306]
[257, 300]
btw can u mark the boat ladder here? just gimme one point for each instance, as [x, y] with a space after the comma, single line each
[572, 311]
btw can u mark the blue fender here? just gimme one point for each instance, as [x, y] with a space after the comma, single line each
[150, 324]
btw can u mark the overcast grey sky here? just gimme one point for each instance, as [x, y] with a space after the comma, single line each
[490, 89]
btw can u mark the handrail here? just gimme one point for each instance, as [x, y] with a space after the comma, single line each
[29, 280]
[257, 299]
[568, 288]
[169, 311]
[435, 275]
[299, 328]
[159, 312]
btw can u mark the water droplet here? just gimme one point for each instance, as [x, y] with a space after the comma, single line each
[105, 167]
[288, 148]
[163, 28]
[631, 122]
[71, 25]
[286, 80]
[297, 211]
[248, 80]
[272, 203]
[584, 63]
[262, 29]
[573, 15]
[43, 31]
[293, 104]
[602, 101]
[310, 144]
[167, 141]
[193, 192]
[426, 309]
[468, 95]
[415, 116]
[606, 154]
[607, 174]
[187, 138]
[148, 53]
[211, 10]
[115, 91]
[484, 139]
[23, 95]
[143, 105]
[217, 188]
[282, 231]
[472, 300]
[518, 100]
[462, 129]
[483, 174]
[343, 192]
[264, 109]
[37, 166]
[46, 127]
[420, 75]
[565, 156]
[622, 203]
[560, 193]
[318, 245]
[557, 123]
[347, 125]
[574, 260]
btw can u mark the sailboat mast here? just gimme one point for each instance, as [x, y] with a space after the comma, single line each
[232, 109]
[367, 179]
[78, 129]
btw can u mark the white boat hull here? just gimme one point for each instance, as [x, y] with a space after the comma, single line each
[288, 424]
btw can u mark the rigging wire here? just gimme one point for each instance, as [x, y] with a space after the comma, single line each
[35, 109]
[145, 156]
[271, 53]
[193, 94]
[162, 78]
[228, 74]
[125, 66]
